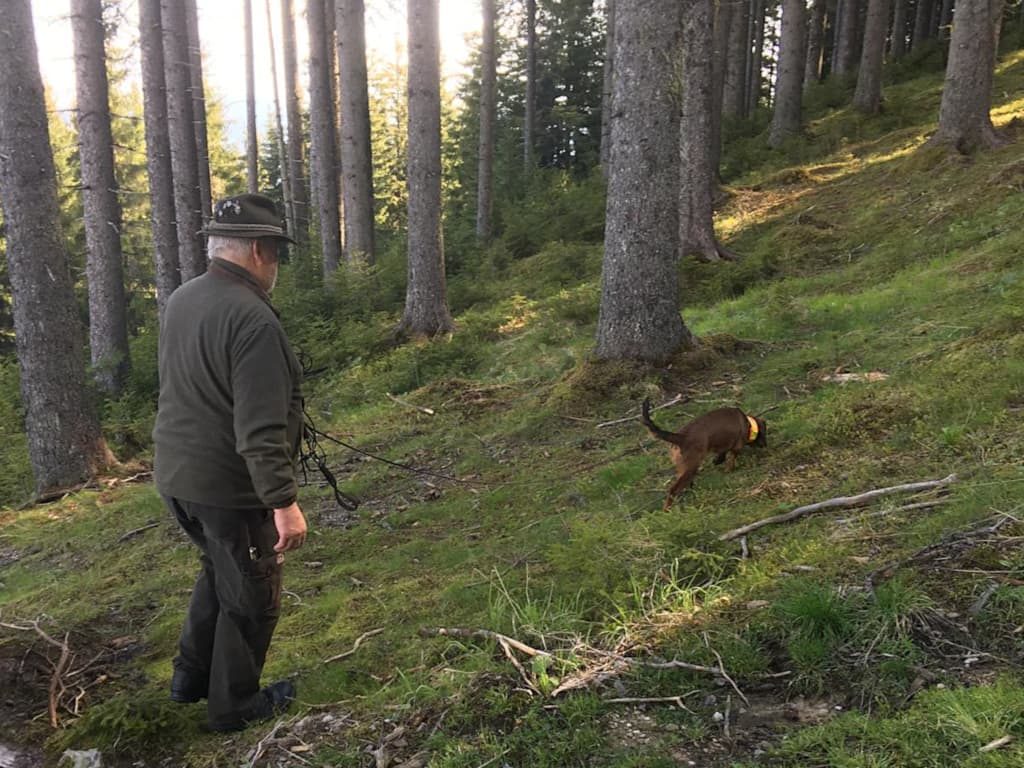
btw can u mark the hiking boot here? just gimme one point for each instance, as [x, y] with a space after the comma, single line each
[186, 688]
[273, 701]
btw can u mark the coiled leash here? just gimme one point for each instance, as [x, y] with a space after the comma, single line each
[312, 452]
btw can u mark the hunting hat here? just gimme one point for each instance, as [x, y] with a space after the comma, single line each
[248, 216]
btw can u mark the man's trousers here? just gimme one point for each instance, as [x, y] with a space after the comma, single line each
[234, 608]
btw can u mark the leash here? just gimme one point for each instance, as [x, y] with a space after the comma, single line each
[313, 453]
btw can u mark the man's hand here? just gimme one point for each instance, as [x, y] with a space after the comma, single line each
[291, 528]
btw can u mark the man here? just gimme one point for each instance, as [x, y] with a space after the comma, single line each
[227, 434]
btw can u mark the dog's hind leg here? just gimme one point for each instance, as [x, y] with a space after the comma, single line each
[720, 457]
[682, 483]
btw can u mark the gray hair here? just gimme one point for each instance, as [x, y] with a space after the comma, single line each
[225, 247]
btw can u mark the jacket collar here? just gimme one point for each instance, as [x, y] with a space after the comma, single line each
[226, 270]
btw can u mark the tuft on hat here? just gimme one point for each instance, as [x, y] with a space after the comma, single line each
[246, 216]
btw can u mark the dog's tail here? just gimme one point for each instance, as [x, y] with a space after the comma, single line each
[654, 429]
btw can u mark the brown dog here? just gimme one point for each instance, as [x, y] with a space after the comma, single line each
[723, 432]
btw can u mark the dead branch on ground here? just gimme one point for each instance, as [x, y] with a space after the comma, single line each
[354, 648]
[680, 398]
[407, 404]
[838, 502]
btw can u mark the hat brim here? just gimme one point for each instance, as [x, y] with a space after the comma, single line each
[247, 231]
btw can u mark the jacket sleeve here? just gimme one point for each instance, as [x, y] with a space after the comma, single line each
[261, 384]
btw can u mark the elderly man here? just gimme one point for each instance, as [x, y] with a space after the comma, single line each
[227, 435]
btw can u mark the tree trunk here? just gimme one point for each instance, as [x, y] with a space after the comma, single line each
[282, 152]
[606, 88]
[108, 329]
[945, 20]
[426, 304]
[485, 166]
[815, 44]
[252, 149]
[184, 160]
[296, 148]
[846, 43]
[756, 58]
[64, 441]
[922, 24]
[964, 114]
[934, 19]
[734, 93]
[158, 153]
[720, 43]
[788, 86]
[898, 44]
[697, 176]
[323, 163]
[356, 153]
[868, 96]
[530, 111]
[639, 316]
[195, 56]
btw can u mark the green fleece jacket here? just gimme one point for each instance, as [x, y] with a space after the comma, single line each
[229, 418]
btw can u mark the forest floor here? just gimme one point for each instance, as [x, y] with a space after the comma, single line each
[889, 634]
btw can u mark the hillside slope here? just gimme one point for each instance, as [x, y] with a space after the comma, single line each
[869, 254]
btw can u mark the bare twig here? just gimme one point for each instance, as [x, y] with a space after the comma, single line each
[484, 634]
[136, 531]
[267, 741]
[675, 400]
[407, 404]
[998, 743]
[677, 700]
[979, 605]
[840, 502]
[729, 680]
[354, 648]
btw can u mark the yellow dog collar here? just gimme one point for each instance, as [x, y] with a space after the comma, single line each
[754, 429]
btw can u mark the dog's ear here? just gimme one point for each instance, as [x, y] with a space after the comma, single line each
[762, 433]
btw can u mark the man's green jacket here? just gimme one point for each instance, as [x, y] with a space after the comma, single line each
[229, 419]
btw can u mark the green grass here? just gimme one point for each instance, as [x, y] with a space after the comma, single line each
[864, 253]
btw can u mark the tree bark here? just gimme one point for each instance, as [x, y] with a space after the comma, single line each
[639, 315]
[322, 121]
[485, 159]
[734, 93]
[898, 38]
[252, 149]
[697, 176]
[530, 110]
[356, 153]
[158, 153]
[64, 441]
[756, 58]
[789, 83]
[846, 43]
[922, 23]
[720, 43]
[934, 19]
[965, 121]
[945, 20]
[282, 152]
[606, 88]
[184, 159]
[426, 304]
[108, 329]
[815, 44]
[296, 143]
[868, 96]
[195, 56]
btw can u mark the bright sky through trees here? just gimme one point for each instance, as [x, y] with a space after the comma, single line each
[223, 47]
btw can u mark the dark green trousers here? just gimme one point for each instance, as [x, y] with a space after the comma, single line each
[235, 605]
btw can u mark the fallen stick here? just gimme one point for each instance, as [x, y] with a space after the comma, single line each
[486, 634]
[994, 745]
[673, 401]
[136, 531]
[904, 508]
[838, 502]
[407, 404]
[354, 648]
[677, 700]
